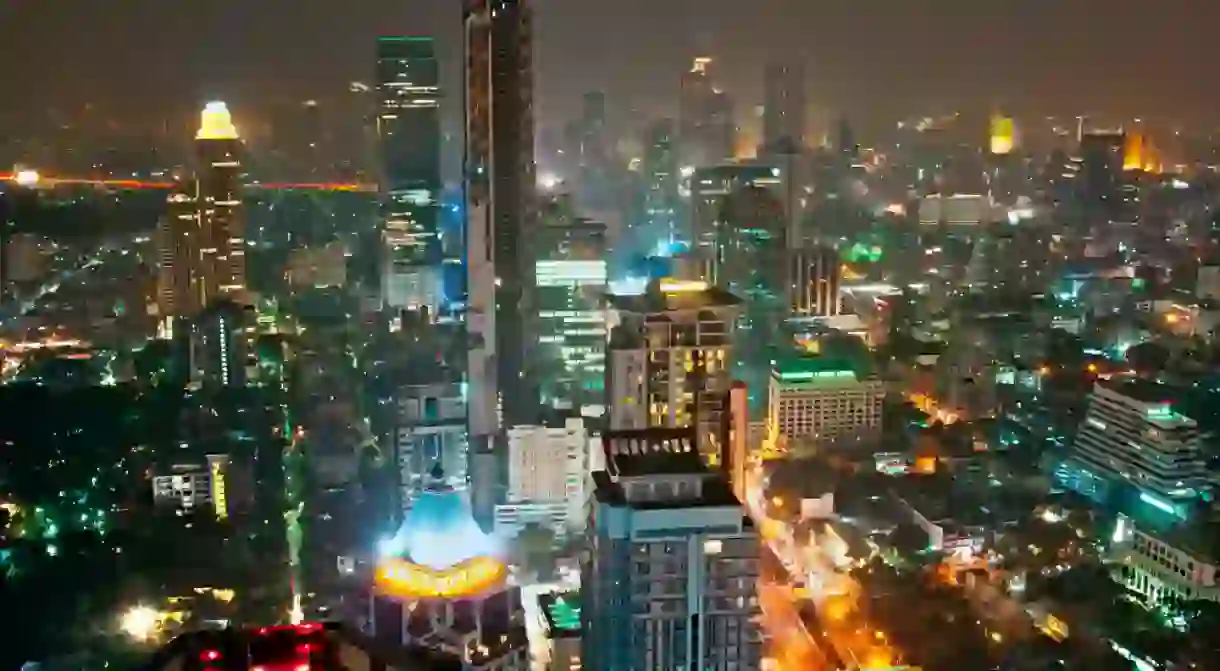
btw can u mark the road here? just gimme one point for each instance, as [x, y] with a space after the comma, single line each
[832, 595]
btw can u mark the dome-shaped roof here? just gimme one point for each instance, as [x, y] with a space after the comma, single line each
[440, 531]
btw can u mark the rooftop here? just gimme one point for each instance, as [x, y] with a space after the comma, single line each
[654, 451]
[669, 295]
[810, 368]
[562, 613]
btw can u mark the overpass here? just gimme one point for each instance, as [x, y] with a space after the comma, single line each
[344, 648]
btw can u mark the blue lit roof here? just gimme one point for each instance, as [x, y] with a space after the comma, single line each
[440, 532]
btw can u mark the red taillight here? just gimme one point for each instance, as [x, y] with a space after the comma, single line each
[302, 667]
[304, 648]
[209, 655]
[308, 626]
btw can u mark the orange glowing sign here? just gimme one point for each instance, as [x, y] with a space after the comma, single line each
[405, 580]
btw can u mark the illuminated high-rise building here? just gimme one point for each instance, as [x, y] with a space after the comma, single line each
[222, 224]
[1100, 178]
[783, 108]
[441, 583]
[202, 236]
[409, 137]
[500, 185]
[571, 277]
[671, 358]
[671, 575]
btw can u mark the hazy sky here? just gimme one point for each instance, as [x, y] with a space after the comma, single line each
[879, 58]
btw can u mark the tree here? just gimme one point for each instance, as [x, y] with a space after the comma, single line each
[909, 540]
[1148, 358]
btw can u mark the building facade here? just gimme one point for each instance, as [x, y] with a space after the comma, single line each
[500, 185]
[673, 565]
[825, 401]
[671, 358]
[409, 139]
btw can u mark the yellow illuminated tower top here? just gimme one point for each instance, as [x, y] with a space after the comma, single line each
[1003, 134]
[215, 123]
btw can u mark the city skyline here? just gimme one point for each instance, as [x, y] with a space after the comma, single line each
[857, 60]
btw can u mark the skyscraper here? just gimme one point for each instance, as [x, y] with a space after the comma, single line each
[783, 108]
[222, 224]
[705, 118]
[670, 580]
[203, 234]
[500, 188]
[661, 203]
[409, 137]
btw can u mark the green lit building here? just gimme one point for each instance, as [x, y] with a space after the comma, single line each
[825, 400]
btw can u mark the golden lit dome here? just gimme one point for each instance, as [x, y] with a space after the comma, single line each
[215, 123]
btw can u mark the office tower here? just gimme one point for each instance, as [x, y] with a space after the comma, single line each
[710, 186]
[671, 359]
[177, 241]
[1168, 567]
[670, 580]
[748, 261]
[1133, 439]
[500, 191]
[221, 270]
[705, 118]
[1003, 134]
[571, 277]
[825, 401]
[192, 486]
[547, 470]
[220, 350]
[813, 281]
[783, 109]
[441, 583]
[409, 137]
[595, 190]
[845, 142]
[1101, 162]
[661, 202]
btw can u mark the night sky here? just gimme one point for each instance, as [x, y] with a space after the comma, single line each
[877, 59]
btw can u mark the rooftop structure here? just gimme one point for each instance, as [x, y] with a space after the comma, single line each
[215, 123]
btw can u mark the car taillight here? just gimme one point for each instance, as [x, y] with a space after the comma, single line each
[302, 667]
[308, 627]
[209, 655]
[304, 648]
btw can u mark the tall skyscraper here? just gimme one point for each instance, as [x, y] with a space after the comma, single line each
[705, 118]
[203, 236]
[783, 108]
[500, 190]
[670, 580]
[409, 137]
[222, 224]
[671, 358]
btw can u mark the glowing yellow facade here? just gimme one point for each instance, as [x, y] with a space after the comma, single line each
[402, 579]
[1139, 153]
[215, 123]
[1003, 134]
